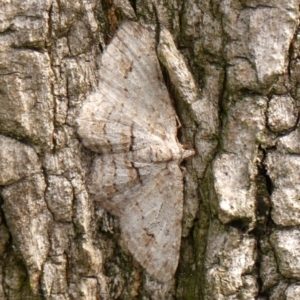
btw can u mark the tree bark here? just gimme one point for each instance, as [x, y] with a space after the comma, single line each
[232, 69]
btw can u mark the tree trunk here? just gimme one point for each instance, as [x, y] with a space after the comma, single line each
[93, 202]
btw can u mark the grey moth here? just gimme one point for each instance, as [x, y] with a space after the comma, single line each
[130, 122]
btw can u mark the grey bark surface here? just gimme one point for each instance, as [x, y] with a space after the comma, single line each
[232, 70]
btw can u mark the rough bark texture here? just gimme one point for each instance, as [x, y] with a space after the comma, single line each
[232, 68]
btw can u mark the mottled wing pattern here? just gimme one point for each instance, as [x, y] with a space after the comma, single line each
[132, 107]
[148, 200]
[130, 121]
[114, 179]
[151, 225]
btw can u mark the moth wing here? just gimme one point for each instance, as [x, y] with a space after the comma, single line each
[130, 113]
[131, 107]
[115, 180]
[148, 199]
[151, 224]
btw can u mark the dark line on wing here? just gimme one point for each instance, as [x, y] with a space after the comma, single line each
[132, 50]
[105, 134]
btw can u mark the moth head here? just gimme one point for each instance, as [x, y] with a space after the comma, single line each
[187, 151]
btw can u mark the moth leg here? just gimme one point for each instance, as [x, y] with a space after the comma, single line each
[183, 170]
[178, 122]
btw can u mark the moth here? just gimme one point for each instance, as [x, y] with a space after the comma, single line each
[130, 122]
